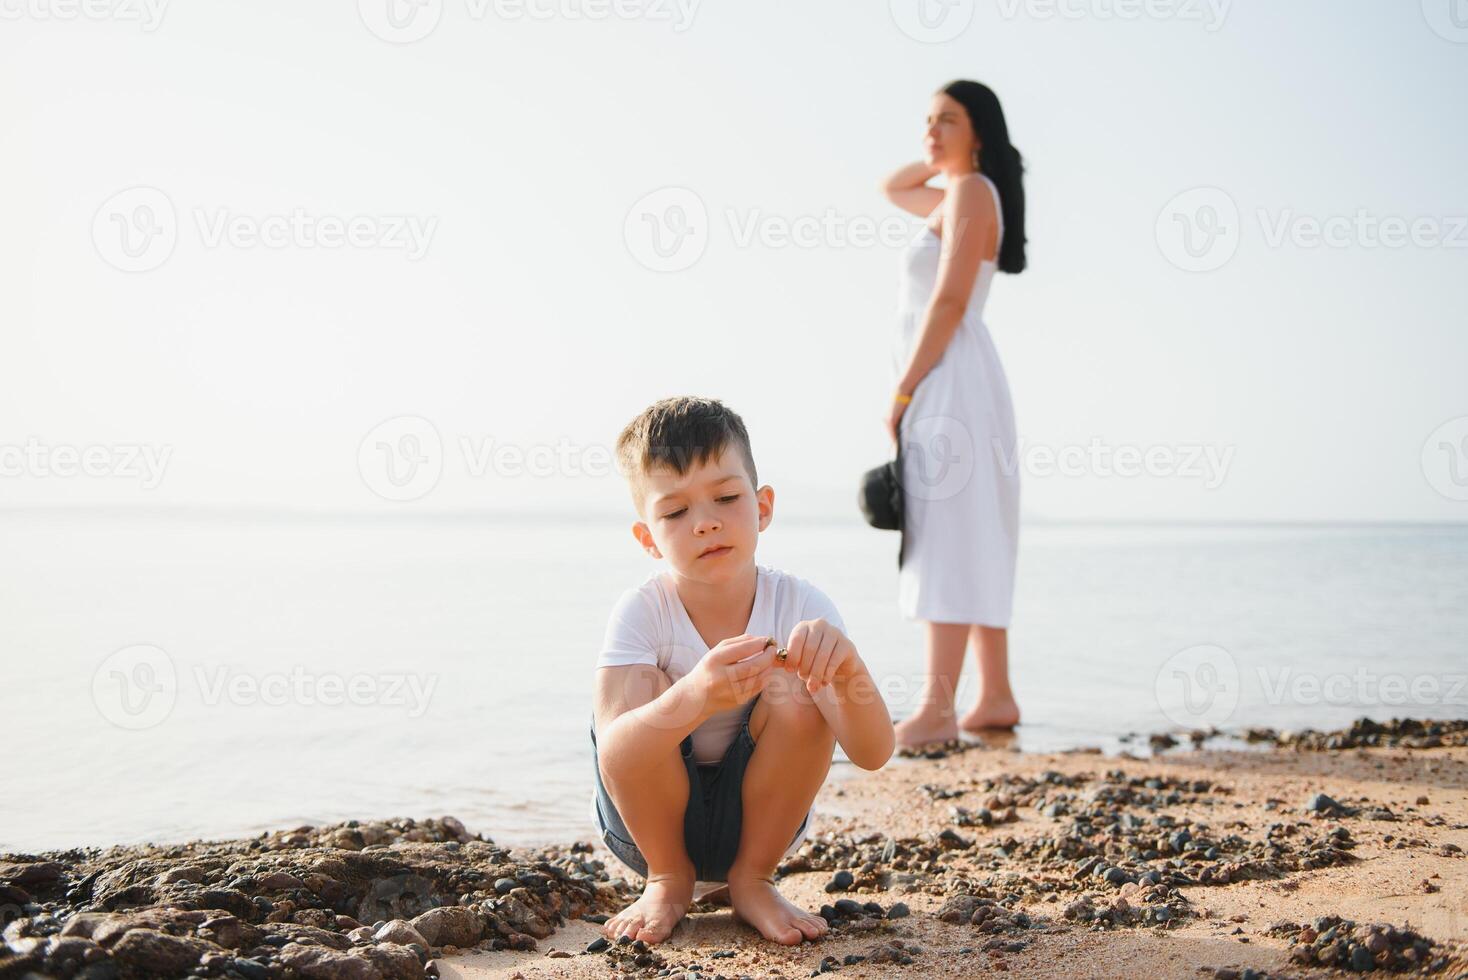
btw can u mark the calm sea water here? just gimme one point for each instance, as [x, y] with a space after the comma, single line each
[171, 677]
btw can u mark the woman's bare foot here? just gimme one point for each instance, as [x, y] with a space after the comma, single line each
[988, 715]
[652, 917]
[757, 901]
[924, 729]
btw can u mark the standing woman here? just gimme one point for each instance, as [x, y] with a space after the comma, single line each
[961, 500]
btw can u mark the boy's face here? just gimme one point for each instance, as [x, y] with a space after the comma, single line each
[707, 521]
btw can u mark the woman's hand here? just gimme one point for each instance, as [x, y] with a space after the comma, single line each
[894, 416]
[908, 189]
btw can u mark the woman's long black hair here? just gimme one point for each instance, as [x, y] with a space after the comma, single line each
[1000, 162]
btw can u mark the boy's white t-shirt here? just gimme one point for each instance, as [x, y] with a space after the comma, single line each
[649, 625]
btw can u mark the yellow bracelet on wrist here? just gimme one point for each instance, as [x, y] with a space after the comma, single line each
[902, 399]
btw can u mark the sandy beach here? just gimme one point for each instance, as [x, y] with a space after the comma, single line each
[431, 423]
[1295, 856]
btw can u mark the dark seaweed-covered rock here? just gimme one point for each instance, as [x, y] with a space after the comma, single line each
[359, 900]
[450, 926]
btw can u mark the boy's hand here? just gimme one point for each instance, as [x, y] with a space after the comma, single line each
[733, 672]
[821, 654]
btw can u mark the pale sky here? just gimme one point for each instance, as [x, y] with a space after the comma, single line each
[498, 288]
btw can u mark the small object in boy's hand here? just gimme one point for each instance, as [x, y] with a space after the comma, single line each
[782, 654]
[769, 642]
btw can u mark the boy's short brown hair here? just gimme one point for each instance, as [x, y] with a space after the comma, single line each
[679, 433]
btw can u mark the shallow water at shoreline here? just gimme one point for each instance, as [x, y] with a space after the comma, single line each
[471, 642]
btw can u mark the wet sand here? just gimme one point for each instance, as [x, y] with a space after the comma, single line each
[1392, 853]
[1294, 857]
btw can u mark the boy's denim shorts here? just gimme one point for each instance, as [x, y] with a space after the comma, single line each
[715, 813]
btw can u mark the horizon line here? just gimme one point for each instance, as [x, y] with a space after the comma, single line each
[246, 512]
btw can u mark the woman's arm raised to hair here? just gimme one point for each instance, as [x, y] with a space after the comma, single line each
[969, 223]
[908, 189]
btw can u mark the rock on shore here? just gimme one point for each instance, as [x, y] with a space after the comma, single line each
[352, 901]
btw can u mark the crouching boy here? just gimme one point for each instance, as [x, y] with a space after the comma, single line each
[721, 688]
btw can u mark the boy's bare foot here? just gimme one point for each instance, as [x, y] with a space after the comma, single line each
[652, 917]
[924, 729]
[989, 715]
[757, 901]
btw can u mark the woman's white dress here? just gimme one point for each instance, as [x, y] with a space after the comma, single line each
[959, 462]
